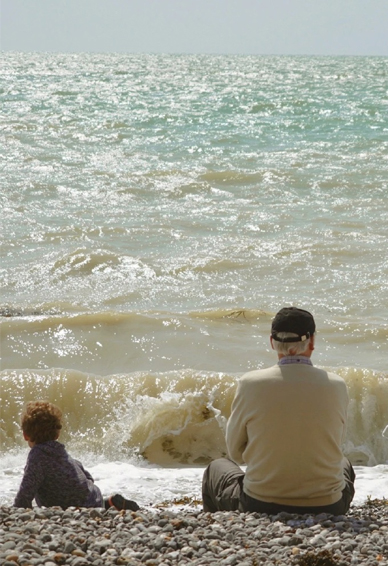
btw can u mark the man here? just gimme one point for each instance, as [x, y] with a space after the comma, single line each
[287, 425]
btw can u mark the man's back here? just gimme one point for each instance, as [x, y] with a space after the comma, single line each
[287, 425]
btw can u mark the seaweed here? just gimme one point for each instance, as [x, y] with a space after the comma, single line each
[373, 503]
[321, 558]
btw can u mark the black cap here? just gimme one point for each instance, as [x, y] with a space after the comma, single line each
[297, 321]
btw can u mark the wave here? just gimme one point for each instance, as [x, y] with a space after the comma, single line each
[70, 315]
[173, 418]
[146, 414]
[86, 262]
[232, 178]
[66, 313]
[239, 314]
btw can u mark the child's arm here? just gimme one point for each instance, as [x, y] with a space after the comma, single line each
[32, 479]
[87, 474]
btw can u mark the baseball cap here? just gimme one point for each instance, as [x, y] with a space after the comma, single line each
[297, 321]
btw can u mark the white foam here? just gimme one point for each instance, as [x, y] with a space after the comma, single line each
[151, 484]
[371, 482]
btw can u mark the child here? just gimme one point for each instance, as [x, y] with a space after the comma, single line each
[51, 476]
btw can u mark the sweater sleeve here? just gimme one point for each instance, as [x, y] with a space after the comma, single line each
[32, 479]
[236, 432]
[87, 474]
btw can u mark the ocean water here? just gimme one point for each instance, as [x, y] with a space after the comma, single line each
[157, 211]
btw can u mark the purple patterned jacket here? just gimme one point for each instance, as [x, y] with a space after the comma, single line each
[53, 478]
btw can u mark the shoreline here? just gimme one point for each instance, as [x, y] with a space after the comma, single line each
[186, 535]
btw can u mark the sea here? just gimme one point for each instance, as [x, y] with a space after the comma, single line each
[156, 212]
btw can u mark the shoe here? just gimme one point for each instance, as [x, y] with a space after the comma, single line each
[119, 502]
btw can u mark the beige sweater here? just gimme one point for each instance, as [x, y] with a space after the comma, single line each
[287, 425]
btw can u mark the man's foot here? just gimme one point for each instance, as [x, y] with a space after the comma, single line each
[120, 503]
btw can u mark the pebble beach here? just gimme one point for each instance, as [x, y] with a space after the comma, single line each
[187, 535]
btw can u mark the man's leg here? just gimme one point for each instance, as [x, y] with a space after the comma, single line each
[348, 492]
[222, 486]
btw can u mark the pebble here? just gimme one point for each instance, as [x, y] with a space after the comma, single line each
[158, 537]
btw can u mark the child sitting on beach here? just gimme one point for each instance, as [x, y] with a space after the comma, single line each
[51, 476]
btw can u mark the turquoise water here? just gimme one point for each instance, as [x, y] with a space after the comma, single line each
[158, 210]
[194, 181]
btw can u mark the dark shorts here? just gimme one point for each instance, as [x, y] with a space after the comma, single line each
[222, 490]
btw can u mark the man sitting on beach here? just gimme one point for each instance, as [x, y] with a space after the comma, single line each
[287, 426]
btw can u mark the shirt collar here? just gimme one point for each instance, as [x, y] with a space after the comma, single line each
[295, 360]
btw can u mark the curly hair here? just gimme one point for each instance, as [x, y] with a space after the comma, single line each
[41, 421]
